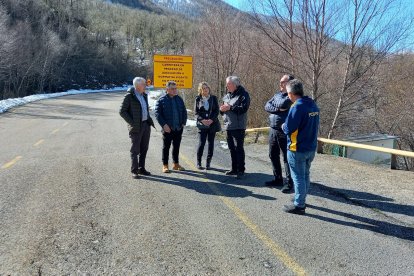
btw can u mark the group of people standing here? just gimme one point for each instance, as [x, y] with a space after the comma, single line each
[294, 122]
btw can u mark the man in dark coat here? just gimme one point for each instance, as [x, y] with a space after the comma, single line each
[278, 109]
[135, 111]
[234, 111]
[171, 114]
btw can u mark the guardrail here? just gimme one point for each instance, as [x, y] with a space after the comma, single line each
[321, 141]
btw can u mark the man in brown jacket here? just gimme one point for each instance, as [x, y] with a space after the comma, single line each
[135, 111]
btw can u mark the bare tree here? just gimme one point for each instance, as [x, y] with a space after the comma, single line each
[371, 34]
[275, 19]
[7, 46]
[348, 38]
[304, 31]
[393, 104]
[220, 46]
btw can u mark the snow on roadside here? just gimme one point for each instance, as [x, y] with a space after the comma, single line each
[152, 98]
[10, 103]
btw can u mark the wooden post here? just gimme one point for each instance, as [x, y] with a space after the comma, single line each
[319, 148]
[257, 137]
[394, 157]
[393, 162]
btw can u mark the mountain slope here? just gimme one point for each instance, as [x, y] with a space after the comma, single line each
[138, 4]
[189, 8]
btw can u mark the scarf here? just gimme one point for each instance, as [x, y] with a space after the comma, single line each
[204, 102]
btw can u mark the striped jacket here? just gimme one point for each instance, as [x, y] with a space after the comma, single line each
[277, 116]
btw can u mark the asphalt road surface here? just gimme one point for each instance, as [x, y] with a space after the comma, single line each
[68, 205]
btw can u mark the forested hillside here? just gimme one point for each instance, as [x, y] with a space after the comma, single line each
[353, 57]
[188, 8]
[53, 45]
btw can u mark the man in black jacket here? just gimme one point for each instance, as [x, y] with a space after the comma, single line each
[278, 109]
[234, 111]
[135, 111]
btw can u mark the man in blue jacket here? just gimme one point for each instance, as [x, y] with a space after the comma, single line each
[171, 114]
[278, 109]
[301, 126]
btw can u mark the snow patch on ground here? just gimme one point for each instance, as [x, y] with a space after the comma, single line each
[10, 103]
[153, 96]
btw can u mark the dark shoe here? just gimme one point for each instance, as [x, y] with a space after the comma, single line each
[135, 175]
[208, 167]
[239, 175]
[143, 171]
[231, 172]
[292, 199]
[292, 209]
[199, 166]
[274, 183]
[286, 189]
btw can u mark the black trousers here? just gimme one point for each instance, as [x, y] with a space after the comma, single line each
[277, 143]
[139, 146]
[235, 141]
[175, 138]
[202, 137]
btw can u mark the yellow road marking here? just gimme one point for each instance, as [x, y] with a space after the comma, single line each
[11, 163]
[276, 249]
[55, 131]
[39, 142]
[65, 124]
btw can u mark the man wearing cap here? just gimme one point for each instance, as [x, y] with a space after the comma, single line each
[171, 114]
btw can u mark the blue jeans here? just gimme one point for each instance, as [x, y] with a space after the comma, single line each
[300, 163]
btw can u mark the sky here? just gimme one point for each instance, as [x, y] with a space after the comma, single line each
[243, 4]
[236, 3]
[406, 7]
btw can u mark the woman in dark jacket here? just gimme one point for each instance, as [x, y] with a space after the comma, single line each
[206, 111]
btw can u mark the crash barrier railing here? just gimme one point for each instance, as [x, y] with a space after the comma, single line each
[321, 141]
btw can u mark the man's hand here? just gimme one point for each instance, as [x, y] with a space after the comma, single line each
[166, 128]
[225, 107]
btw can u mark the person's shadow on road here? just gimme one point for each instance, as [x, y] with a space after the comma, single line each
[378, 226]
[362, 199]
[210, 186]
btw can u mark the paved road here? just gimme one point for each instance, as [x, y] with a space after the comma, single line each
[69, 206]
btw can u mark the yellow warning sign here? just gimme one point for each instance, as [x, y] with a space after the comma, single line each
[173, 68]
